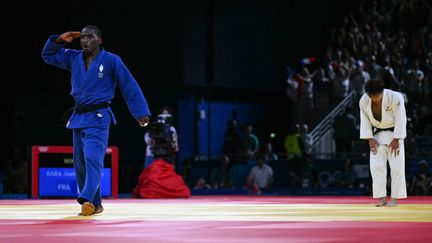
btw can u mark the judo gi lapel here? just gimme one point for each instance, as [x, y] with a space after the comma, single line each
[80, 77]
[87, 74]
[387, 107]
[91, 67]
[95, 67]
[374, 121]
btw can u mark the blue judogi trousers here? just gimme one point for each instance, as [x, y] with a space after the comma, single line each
[89, 146]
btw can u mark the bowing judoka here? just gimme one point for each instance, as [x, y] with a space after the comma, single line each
[95, 74]
[383, 123]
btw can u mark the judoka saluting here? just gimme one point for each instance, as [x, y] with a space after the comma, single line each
[95, 73]
[383, 123]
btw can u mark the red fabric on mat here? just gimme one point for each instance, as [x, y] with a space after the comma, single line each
[160, 180]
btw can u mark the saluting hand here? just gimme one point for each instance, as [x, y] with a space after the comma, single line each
[143, 121]
[69, 36]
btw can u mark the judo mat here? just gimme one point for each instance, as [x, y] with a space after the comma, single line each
[219, 219]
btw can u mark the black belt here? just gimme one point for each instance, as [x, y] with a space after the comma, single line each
[83, 109]
[377, 130]
[89, 108]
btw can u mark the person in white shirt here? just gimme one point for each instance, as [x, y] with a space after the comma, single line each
[383, 123]
[260, 176]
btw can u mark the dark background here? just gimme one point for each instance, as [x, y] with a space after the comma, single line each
[226, 49]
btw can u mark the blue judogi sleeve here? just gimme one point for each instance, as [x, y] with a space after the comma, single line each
[97, 84]
[130, 89]
[56, 55]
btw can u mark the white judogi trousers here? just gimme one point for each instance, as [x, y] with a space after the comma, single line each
[378, 168]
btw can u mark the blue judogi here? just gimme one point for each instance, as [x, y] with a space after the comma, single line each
[91, 129]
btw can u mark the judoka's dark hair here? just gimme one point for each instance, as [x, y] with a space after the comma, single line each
[374, 86]
[96, 30]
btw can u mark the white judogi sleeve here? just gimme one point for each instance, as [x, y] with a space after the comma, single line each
[365, 124]
[400, 116]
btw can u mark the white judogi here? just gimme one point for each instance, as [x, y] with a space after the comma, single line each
[393, 115]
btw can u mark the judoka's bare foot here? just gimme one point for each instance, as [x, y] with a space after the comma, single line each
[382, 202]
[392, 203]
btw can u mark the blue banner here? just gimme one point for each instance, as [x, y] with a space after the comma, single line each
[61, 182]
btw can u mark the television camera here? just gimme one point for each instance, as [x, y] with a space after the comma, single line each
[163, 136]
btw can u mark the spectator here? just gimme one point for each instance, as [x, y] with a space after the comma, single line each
[414, 82]
[306, 140]
[201, 184]
[358, 78]
[293, 144]
[249, 141]
[232, 139]
[295, 173]
[340, 86]
[348, 176]
[268, 152]
[346, 130]
[389, 76]
[260, 176]
[307, 171]
[221, 177]
[305, 94]
[292, 84]
[322, 87]
[421, 182]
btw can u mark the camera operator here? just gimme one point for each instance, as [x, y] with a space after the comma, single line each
[161, 139]
[159, 178]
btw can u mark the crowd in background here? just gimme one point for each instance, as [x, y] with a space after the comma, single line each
[389, 40]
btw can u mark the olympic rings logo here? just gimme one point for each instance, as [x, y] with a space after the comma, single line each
[43, 149]
[326, 178]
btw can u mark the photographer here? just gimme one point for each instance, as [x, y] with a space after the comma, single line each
[158, 139]
[159, 178]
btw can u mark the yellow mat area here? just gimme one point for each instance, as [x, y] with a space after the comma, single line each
[225, 212]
